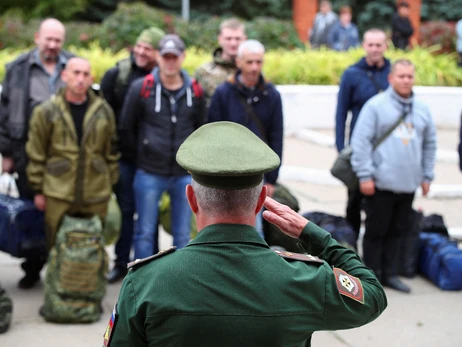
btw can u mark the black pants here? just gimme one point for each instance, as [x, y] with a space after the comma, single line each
[353, 211]
[34, 263]
[389, 219]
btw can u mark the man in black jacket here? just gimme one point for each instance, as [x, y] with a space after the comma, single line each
[30, 79]
[401, 26]
[160, 111]
[114, 86]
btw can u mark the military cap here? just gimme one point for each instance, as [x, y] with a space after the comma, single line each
[152, 36]
[226, 155]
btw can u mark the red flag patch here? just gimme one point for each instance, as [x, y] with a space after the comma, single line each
[349, 285]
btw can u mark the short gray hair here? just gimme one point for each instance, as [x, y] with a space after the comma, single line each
[250, 46]
[218, 202]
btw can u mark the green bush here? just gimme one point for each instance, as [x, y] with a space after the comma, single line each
[121, 28]
[321, 67]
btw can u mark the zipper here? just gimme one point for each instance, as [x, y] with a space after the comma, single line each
[173, 120]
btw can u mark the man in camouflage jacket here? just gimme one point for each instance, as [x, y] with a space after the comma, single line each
[72, 151]
[210, 75]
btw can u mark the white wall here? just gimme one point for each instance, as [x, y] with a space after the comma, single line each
[307, 106]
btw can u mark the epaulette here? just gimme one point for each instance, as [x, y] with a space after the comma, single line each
[148, 259]
[298, 256]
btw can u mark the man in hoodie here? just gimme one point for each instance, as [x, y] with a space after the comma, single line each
[114, 87]
[211, 75]
[160, 111]
[359, 83]
[390, 174]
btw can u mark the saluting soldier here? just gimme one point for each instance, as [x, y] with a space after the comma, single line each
[227, 287]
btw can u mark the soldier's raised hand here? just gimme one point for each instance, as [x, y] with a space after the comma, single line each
[286, 219]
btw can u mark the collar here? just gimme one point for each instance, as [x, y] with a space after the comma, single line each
[228, 233]
[35, 59]
[260, 85]
[217, 59]
[399, 98]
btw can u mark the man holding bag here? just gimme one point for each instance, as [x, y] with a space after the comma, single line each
[390, 174]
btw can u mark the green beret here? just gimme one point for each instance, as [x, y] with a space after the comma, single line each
[151, 36]
[226, 155]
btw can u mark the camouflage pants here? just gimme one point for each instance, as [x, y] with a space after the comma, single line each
[6, 307]
[56, 209]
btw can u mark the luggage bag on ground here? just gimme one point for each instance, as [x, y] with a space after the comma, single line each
[441, 261]
[22, 231]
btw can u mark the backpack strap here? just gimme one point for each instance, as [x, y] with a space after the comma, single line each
[197, 88]
[125, 68]
[148, 85]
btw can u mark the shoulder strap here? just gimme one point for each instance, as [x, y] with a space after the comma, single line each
[197, 88]
[125, 67]
[250, 112]
[299, 256]
[148, 85]
[388, 133]
[376, 85]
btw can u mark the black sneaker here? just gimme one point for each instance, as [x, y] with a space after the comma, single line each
[28, 281]
[395, 283]
[117, 274]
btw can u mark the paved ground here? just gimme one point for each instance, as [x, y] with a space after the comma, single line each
[428, 317]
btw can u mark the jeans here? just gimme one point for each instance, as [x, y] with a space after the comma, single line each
[126, 201]
[148, 190]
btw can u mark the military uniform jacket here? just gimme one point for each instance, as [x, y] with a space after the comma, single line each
[228, 288]
[62, 168]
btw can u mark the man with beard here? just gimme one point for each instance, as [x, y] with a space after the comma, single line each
[360, 82]
[249, 100]
[30, 79]
[212, 74]
[114, 86]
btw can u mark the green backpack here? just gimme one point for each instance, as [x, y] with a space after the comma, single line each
[75, 281]
[6, 307]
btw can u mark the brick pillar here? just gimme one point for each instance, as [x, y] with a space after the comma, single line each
[304, 12]
[415, 6]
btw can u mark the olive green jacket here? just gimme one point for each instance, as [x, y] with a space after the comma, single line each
[228, 288]
[60, 167]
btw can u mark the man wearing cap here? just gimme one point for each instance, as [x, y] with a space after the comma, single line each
[227, 287]
[160, 111]
[114, 87]
[249, 100]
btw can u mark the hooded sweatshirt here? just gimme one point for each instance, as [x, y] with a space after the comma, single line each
[359, 83]
[406, 158]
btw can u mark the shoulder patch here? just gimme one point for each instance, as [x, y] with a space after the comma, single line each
[349, 285]
[148, 259]
[298, 256]
[110, 327]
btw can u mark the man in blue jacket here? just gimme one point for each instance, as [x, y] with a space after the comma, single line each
[359, 83]
[390, 174]
[249, 100]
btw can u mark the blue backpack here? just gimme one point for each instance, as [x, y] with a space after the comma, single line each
[22, 231]
[441, 261]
